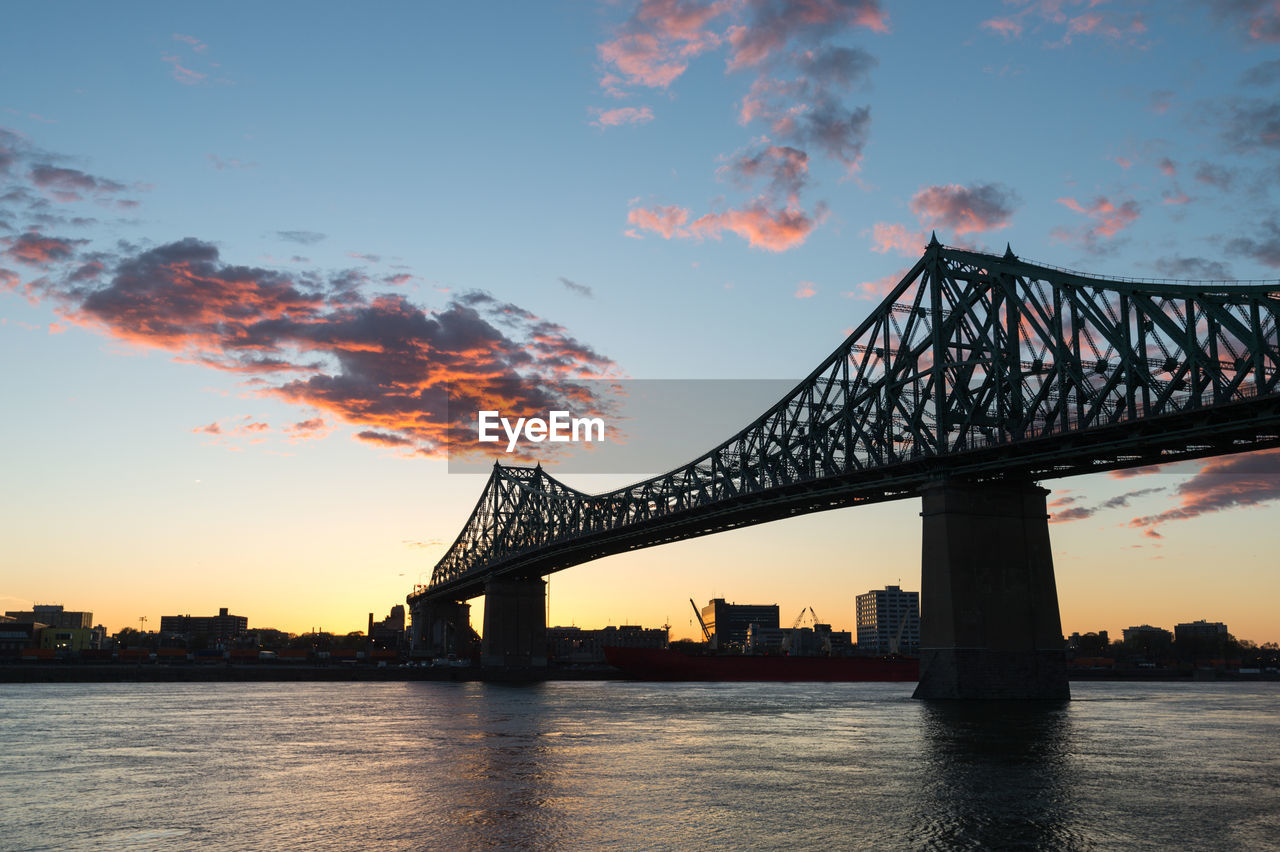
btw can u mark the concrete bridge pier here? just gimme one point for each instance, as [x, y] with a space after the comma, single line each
[440, 628]
[989, 623]
[515, 624]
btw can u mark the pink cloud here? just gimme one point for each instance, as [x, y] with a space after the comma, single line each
[1051, 14]
[184, 75]
[1247, 479]
[774, 24]
[1007, 27]
[760, 225]
[35, 249]
[886, 237]
[878, 288]
[654, 47]
[623, 115]
[805, 290]
[196, 44]
[772, 230]
[964, 209]
[667, 221]
[1109, 218]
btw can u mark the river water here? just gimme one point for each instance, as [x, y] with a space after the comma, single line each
[620, 765]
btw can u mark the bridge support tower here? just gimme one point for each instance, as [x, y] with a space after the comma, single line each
[515, 624]
[440, 628]
[989, 625]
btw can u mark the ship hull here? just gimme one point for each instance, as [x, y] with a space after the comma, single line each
[664, 664]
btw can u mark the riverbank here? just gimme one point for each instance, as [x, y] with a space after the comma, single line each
[273, 672]
[283, 672]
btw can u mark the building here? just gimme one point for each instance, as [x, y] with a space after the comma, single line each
[220, 626]
[388, 633]
[1196, 639]
[1147, 643]
[728, 623]
[816, 641]
[765, 640]
[53, 615]
[68, 640]
[1145, 634]
[575, 645]
[1199, 630]
[17, 636]
[889, 621]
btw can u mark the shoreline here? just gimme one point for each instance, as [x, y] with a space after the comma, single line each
[276, 672]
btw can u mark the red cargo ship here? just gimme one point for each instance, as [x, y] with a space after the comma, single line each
[666, 664]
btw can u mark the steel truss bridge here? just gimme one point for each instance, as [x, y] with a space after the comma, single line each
[975, 366]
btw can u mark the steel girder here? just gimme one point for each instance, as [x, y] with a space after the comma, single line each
[974, 365]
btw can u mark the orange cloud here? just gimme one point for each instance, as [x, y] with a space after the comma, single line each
[667, 221]
[764, 227]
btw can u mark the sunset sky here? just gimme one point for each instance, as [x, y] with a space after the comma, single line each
[242, 244]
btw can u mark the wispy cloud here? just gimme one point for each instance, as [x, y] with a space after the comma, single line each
[575, 287]
[229, 163]
[190, 52]
[1080, 512]
[1249, 479]
[1065, 20]
[1256, 20]
[1108, 217]
[305, 238]
[1194, 268]
[620, 116]
[1264, 247]
[797, 95]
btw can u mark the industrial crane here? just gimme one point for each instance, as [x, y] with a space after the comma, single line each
[706, 634]
[799, 618]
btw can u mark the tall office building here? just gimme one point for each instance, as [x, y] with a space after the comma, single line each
[728, 622]
[889, 621]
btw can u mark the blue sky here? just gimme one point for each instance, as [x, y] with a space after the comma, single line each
[428, 152]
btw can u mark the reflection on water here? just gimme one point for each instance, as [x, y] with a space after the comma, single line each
[497, 776]
[999, 775]
[567, 766]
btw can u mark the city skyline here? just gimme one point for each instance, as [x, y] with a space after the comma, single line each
[237, 248]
